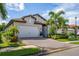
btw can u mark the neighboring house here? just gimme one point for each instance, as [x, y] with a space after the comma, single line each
[30, 26]
[71, 28]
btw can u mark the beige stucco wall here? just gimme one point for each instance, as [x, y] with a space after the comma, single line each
[39, 19]
[29, 20]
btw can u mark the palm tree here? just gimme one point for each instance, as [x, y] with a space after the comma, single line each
[3, 12]
[62, 24]
[54, 20]
[2, 26]
[3, 15]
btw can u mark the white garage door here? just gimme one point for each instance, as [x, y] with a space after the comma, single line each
[29, 31]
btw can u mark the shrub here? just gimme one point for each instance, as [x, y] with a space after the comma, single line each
[59, 36]
[77, 37]
[10, 34]
[21, 52]
[3, 45]
[14, 39]
[0, 37]
[71, 36]
[8, 37]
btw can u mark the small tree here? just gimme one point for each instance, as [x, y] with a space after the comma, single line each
[13, 31]
[10, 33]
[62, 24]
[54, 21]
[2, 26]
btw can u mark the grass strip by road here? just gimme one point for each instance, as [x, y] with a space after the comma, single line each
[74, 42]
[21, 52]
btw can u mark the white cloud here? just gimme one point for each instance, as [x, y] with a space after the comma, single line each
[21, 6]
[72, 21]
[3, 21]
[65, 6]
[71, 11]
[59, 9]
[71, 14]
[15, 6]
[45, 15]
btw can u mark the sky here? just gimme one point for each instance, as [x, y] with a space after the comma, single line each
[17, 10]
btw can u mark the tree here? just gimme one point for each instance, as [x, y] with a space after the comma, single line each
[11, 33]
[54, 20]
[3, 12]
[2, 26]
[62, 24]
[3, 15]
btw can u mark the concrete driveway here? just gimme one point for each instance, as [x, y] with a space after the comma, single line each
[45, 42]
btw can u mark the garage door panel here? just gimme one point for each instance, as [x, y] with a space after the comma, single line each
[28, 31]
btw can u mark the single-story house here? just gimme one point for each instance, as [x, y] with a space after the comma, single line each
[71, 28]
[30, 26]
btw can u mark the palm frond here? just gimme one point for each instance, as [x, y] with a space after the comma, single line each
[51, 14]
[3, 11]
[60, 12]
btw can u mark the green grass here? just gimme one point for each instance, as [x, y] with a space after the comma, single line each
[22, 52]
[74, 42]
[11, 44]
[62, 40]
[2, 45]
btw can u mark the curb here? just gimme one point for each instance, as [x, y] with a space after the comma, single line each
[44, 52]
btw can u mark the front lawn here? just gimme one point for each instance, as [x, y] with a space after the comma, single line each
[74, 42]
[11, 44]
[3, 45]
[62, 40]
[22, 52]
